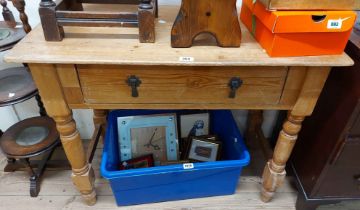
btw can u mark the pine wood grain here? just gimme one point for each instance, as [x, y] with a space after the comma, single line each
[70, 83]
[107, 84]
[121, 46]
[218, 18]
[50, 88]
[298, 93]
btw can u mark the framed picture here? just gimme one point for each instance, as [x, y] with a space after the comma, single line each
[148, 134]
[204, 150]
[194, 124]
[140, 162]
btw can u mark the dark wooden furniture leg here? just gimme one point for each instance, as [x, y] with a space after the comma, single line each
[254, 136]
[11, 165]
[42, 110]
[218, 18]
[100, 119]
[20, 6]
[35, 180]
[156, 8]
[35, 176]
[99, 132]
[146, 21]
[34, 184]
[7, 14]
[52, 30]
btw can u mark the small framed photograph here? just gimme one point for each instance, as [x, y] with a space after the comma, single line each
[194, 124]
[204, 150]
[140, 162]
[148, 134]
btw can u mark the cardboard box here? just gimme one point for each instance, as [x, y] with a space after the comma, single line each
[298, 33]
[311, 4]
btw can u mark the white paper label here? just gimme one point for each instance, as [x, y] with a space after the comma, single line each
[186, 59]
[336, 24]
[188, 166]
[11, 95]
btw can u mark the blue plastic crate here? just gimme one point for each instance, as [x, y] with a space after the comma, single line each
[173, 182]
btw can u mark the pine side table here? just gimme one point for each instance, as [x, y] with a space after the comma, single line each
[89, 69]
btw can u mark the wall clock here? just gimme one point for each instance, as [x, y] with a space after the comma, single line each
[148, 134]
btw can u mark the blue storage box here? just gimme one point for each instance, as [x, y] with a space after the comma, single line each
[176, 182]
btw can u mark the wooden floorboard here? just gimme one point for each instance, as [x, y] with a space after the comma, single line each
[58, 192]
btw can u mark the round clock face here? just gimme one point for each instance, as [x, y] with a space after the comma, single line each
[149, 140]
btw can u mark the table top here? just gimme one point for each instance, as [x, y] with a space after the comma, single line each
[90, 45]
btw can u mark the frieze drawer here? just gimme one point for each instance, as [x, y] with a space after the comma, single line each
[181, 85]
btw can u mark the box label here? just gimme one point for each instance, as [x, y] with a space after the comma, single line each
[336, 24]
[188, 166]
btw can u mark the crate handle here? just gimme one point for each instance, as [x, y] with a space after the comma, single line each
[318, 18]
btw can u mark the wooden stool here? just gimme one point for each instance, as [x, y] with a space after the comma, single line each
[28, 138]
[16, 86]
[34, 136]
[217, 17]
[10, 31]
[55, 15]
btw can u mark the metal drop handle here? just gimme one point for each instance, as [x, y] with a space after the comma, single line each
[234, 84]
[134, 82]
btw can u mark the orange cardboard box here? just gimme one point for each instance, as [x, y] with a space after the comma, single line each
[311, 4]
[298, 33]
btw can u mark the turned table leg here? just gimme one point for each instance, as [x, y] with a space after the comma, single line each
[50, 89]
[274, 172]
[83, 175]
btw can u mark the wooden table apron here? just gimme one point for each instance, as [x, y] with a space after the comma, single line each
[91, 73]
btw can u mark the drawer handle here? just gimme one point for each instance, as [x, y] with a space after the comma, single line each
[134, 82]
[234, 84]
